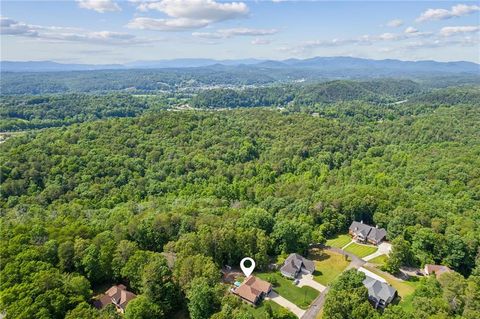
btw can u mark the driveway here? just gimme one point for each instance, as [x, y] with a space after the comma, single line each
[273, 296]
[383, 249]
[307, 280]
[316, 306]
[371, 274]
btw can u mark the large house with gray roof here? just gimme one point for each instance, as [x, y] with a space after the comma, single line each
[365, 233]
[380, 293]
[296, 264]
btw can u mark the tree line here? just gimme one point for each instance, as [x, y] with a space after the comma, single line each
[110, 201]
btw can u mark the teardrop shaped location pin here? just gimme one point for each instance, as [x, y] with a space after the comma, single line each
[247, 270]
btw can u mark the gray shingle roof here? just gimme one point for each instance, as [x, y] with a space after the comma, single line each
[367, 231]
[378, 290]
[294, 263]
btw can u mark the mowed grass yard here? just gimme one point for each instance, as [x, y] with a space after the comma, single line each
[302, 297]
[339, 241]
[360, 250]
[261, 312]
[328, 265]
[380, 260]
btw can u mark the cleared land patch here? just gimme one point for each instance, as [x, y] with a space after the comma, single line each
[328, 265]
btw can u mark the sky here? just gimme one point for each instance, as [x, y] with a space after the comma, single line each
[114, 31]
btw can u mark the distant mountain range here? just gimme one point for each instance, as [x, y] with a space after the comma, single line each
[327, 64]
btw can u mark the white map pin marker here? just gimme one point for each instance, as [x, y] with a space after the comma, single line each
[247, 270]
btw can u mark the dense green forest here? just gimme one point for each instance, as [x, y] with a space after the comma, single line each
[141, 81]
[105, 201]
[371, 100]
[41, 111]
[375, 91]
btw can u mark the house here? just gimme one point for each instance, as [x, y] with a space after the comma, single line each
[437, 270]
[116, 295]
[365, 233]
[253, 289]
[380, 293]
[296, 264]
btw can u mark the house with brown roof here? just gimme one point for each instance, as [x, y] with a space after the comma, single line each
[118, 295]
[253, 290]
[437, 270]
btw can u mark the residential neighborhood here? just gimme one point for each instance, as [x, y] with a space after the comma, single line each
[300, 283]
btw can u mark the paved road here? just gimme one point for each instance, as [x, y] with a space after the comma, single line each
[316, 306]
[273, 296]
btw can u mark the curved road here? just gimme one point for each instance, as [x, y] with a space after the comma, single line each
[317, 304]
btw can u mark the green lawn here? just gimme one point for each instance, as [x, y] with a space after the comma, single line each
[361, 250]
[261, 310]
[302, 297]
[380, 260]
[328, 265]
[339, 241]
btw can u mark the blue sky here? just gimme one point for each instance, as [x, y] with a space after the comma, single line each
[113, 31]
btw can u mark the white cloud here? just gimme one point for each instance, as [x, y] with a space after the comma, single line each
[229, 33]
[388, 36]
[395, 23]
[99, 5]
[12, 27]
[449, 31]
[410, 30]
[441, 43]
[166, 24]
[364, 40]
[260, 41]
[442, 14]
[188, 14]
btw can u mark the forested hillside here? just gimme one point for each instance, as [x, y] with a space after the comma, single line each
[371, 100]
[96, 203]
[193, 79]
[40, 111]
